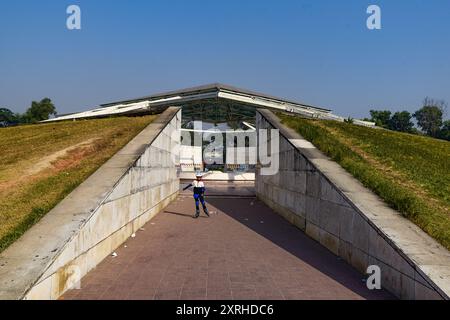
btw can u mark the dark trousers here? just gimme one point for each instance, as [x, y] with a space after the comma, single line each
[199, 198]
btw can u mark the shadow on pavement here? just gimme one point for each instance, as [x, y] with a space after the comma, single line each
[183, 214]
[255, 215]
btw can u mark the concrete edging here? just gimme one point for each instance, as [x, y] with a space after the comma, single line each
[327, 203]
[97, 217]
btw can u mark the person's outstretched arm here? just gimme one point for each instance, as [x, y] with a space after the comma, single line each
[188, 186]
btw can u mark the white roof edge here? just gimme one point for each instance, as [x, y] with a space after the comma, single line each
[248, 98]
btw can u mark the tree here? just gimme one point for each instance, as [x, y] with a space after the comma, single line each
[401, 121]
[40, 110]
[6, 115]
[381, 118]
[429, 119]
[441, 104]
[8, 118]
[444, 133]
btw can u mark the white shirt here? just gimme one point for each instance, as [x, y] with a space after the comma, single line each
[198, 184]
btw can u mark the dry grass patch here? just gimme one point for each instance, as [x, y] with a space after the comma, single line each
[41, 164]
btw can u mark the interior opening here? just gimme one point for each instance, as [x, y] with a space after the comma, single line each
[218, 139]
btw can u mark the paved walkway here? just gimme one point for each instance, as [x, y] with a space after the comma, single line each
[244, 251]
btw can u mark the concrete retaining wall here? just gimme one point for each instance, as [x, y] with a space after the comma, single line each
[319, 197]
[97, 217]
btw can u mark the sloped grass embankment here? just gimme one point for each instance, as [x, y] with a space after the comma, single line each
[41, 164]
[410, 172]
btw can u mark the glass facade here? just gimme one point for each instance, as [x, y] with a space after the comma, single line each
[210, 128]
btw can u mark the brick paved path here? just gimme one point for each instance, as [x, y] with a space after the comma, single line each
[244, 251]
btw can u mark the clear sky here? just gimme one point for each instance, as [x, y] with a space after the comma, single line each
[318, 52]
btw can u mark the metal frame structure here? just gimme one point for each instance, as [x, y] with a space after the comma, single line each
[157, 102]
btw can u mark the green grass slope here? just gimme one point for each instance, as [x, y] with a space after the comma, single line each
[410, 172]
[41, 164]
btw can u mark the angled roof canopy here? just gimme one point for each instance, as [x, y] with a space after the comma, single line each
[215, 90]
[156, 102]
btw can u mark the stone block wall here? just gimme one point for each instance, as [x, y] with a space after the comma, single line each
[329, 205]
[97, 217]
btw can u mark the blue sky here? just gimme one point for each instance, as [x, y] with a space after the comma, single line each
[317, 51]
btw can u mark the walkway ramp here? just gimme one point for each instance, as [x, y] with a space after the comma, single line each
[243, 251]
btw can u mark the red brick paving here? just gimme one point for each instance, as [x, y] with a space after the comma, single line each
[244, 251]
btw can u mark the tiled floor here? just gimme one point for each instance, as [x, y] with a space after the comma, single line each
[244, 251]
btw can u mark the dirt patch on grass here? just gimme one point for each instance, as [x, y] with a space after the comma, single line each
[57, 157]
[58, 161]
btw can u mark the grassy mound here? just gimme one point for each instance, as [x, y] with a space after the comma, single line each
[410, 172]
[41, 164]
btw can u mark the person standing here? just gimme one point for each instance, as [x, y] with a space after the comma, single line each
[199, 195]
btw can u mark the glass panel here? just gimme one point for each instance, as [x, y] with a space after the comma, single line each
[200, 119]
